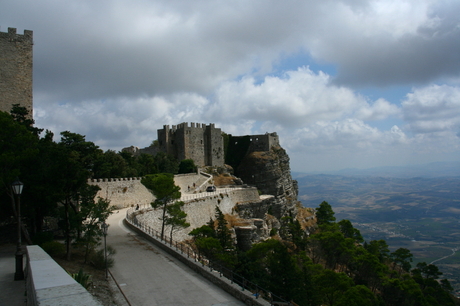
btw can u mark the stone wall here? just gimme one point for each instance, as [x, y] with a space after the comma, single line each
[199, 211]
[16, 59]
[259, 143]
[123, 192]
[49, 284]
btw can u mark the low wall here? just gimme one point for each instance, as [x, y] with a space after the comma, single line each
[48, 284]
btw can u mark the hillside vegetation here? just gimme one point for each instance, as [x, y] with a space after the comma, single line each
[332, 266]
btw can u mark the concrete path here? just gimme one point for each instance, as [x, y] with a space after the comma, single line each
[148, 276]
[12, 293]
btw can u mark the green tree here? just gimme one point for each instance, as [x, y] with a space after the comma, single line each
[176, 217]
[222, 232]
[110, 164]
[165, 191]
[187, 166]
[292, 231]
[21, 115]
[75, 160]
[331, 285]
[92, 214]
[146, 164]
[357, 296]
[402, 257]
[204, 231]
[18, 145]
[349, 231]
[324, 214]
[378, 248]
[166, 163]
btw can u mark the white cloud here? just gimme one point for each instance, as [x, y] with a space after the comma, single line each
[117, 71]
[433, 109]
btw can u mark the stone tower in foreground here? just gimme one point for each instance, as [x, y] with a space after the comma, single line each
[16, 70]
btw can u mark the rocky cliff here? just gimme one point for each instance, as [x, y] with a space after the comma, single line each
[270, 172]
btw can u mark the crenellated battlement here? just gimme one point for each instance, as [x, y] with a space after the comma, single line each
[116, 179]
[12, 36]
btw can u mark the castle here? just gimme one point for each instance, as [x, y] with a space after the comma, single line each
[202, 143]
[16, 70]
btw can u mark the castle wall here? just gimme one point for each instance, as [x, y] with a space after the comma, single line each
[123, 192]
[262, 142]
[200, 211]
[16, 59]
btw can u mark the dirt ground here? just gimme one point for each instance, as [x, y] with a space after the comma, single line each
[104, 290]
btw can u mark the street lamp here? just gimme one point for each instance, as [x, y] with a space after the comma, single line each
[104, 227]
[17, 190]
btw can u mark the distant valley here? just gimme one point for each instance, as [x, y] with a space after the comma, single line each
[418, 213]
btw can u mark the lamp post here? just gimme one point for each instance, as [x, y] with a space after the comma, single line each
[104, 227]
[17, 190]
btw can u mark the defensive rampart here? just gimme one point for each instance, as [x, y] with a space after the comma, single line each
[123, 192]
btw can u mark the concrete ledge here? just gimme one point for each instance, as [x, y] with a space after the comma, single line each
[48, 284]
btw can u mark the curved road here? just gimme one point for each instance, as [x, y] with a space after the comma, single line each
[148, 276]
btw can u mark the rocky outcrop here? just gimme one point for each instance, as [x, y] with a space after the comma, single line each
[270, 172]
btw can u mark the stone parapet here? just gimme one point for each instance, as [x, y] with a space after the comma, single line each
[49, 284]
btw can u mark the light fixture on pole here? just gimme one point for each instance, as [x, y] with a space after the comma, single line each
[104, 227]
[17, 190]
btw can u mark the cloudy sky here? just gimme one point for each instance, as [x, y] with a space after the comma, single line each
[346, 84]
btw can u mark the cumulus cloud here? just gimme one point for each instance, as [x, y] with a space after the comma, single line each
[433, 109]
[117, 71]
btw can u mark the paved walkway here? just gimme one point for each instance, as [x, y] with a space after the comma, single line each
[11, 291]
[148, 276]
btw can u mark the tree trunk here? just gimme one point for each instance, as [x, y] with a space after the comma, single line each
[163, 221]
[67, 230]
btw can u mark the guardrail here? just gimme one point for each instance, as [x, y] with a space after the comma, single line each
[185, 250]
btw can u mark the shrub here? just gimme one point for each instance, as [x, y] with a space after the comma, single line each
[82, 278]
[41, 237]
[53, 248]
[98, 258]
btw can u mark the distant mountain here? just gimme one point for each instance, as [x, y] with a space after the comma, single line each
[436, 169]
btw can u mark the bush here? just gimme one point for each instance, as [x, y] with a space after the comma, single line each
[98, 259]
[82, 278]
[41, 237]
[53, 248]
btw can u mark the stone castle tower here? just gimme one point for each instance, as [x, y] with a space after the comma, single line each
[200, 142]
[16, 70]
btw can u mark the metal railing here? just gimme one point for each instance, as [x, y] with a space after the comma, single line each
[185, 250]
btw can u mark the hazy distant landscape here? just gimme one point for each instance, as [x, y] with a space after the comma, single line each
[419, 213]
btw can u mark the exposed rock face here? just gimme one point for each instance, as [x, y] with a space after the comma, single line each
[270, 172]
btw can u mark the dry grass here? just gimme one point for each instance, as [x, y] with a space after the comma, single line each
[223, 179]
[236, 221]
